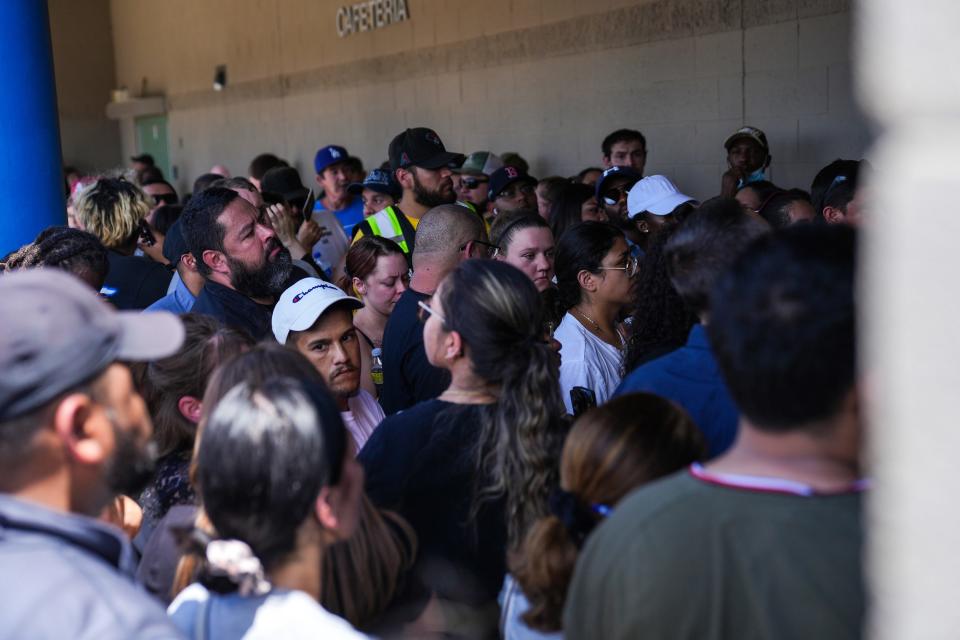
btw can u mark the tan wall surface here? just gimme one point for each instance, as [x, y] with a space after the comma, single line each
[547, 78]
[84, 68]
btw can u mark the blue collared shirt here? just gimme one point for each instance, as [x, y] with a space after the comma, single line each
[690, 377]
[179, 301]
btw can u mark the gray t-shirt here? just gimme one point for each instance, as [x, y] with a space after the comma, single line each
[689, 558]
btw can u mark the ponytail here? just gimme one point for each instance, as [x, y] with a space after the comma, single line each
[544, 568]
[501, 321]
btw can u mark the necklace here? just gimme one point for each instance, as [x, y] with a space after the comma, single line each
[599, 330]
[471, 397]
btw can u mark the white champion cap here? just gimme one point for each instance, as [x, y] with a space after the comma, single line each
[655, 194]
[301, 304]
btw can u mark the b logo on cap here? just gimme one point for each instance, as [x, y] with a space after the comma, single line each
[512, 173]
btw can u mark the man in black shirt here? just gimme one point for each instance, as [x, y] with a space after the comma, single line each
[245, 265]
[446, 236]
[114, 211]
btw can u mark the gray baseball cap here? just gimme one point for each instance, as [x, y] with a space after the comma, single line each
[58, 334]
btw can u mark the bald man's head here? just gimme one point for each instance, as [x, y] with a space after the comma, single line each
[443, 231]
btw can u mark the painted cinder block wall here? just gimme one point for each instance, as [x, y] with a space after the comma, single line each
[547, 78]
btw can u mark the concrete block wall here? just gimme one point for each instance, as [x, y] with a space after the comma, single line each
[84, 68]
[546, 78]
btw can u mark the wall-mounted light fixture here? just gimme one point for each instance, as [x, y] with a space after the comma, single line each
[220, 77]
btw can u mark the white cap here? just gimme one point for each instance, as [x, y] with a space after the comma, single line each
[655, 194]
[300, 306]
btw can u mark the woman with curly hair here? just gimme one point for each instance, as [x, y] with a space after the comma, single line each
[661, 321]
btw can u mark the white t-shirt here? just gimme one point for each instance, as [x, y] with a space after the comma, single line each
[202, 615]
[364, 416]
[586, 361]
[333, 245]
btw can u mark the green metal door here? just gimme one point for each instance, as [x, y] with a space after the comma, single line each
[152, 139]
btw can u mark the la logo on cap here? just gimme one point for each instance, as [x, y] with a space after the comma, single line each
[334, 153]
[512, 173]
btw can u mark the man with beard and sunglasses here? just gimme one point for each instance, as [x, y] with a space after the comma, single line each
[422, 167]
[316, 318]
[244, 263]
[74, 434]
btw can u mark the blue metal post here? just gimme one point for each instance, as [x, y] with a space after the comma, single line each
[31, 180]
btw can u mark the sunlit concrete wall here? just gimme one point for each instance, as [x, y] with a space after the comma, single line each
[84, 68]
[547, 78]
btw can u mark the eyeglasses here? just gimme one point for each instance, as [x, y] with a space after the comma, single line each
[426, 311]
[491, 249]
[472, 183]
[631, 268]
[613, 195]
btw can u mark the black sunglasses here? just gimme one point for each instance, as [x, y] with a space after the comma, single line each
[165, 198]
[472, 183]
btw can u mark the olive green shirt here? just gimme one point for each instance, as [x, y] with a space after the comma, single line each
[688, 558]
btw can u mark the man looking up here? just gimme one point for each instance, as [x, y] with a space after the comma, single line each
[334, 175]
[316, 318]
[748, 156]
[625, 148]
[447, 235]
[74, 434]
[421, 166]
[765, 541]
[237, 252]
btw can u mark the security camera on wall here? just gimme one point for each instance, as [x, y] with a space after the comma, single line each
[220, 77]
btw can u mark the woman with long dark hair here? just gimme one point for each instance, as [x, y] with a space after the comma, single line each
[595, 274]
[575, 203]
[472, 469]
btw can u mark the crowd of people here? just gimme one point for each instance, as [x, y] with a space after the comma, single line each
[439, 398]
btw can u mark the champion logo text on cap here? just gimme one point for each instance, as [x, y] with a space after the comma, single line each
[297, 298]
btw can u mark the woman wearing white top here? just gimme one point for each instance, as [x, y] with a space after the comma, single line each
[595, 279]
[279, 484]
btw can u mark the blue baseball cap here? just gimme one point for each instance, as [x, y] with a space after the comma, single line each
[377, 180]
[616, 172]
[327, 155]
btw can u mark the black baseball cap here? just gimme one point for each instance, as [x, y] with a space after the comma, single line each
[504, 177]
[145, 158]
[421, 147]
[285, 181]
[174, 244]
[58, 334]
